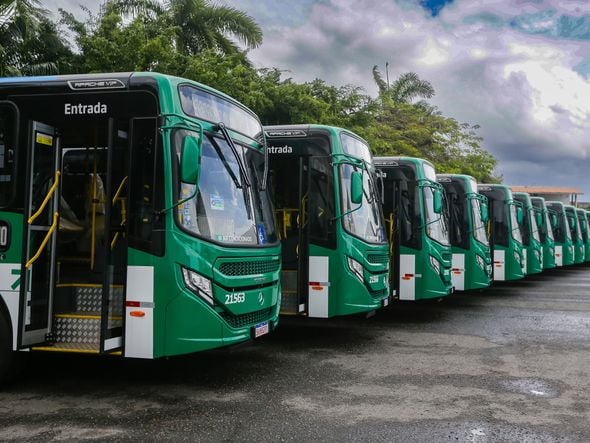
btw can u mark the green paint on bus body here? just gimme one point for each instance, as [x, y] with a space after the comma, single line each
[314, 160]
[587, 217]
[530, 233]
[583, 222]
[564, 247]
[468, 234]
[577, 240]
[420, 252]
[504, 233]
[545, 233]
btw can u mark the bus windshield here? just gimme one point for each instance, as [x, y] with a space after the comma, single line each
[364, 220]
[479, 229]
[548, 227]
[514, 224]
[534, 226]
[224, 208]
[204, 105]
[435, 224]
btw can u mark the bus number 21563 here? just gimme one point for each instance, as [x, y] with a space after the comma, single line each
[238, 297]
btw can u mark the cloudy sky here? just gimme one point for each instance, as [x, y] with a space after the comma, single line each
[518, 68]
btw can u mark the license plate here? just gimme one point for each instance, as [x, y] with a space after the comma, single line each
[260, 329]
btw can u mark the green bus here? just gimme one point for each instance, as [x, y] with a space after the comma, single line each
[564, 247]
[577, 240]
[583, 221]
[504, 232]
[134, 218]
[467, 211]
[545, 232]
[529, 230]
[329, 219]
[420, 251]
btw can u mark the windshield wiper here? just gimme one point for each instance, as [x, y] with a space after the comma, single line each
[230, 142]
[226, 164]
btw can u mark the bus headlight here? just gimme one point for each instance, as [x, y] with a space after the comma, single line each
[356, 268]
[538, 254]
[435, 264]
[480, 261]
[198, 284]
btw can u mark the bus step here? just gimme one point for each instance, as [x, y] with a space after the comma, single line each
[80, 328]
[78, 348]
[88, 297]
[289, 303]
[289, 280]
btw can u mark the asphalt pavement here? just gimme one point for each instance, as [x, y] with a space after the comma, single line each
[507, 364]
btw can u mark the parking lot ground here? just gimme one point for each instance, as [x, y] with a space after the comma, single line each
[511, 363]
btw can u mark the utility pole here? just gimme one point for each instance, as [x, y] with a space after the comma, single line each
[387, 73]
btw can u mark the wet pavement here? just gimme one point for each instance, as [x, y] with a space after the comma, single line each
[511, 363]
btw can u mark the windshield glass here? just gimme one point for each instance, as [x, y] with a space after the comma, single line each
[548, 227]
[534, 226]
[514, 224]
[479, 228]
[355, 147]
[583, 227]
[364, 220]
[435, 224]
[224, 208]
[215, 109]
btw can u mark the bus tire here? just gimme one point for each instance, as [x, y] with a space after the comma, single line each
[7, 355]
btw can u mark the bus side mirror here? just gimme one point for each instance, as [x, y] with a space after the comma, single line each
[484, 212]
[519, 214]
[438, 201]
[356, 188]
[539, 219]
[189, 160]
[553, 220]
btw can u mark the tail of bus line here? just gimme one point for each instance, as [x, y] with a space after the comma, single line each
[564, 247]
[545, 232]
[103, 258]
[334, 251]
[467, 215]
[413, 206]
[505, 214]
[583, 218]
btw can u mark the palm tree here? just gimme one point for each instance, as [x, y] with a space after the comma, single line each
[405, 89]
[20, 24]
[198, 25]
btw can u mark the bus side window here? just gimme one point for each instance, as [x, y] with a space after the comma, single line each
[146, 229]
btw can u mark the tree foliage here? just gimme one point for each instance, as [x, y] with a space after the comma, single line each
[198, 40]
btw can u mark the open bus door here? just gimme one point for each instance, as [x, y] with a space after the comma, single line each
[42, 215]
[115, 240]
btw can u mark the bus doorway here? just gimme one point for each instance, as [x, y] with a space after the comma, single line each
[75, 227]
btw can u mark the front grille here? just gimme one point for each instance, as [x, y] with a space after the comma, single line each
[380, 294]
[377, 259]
[249, 267]
[249, 319]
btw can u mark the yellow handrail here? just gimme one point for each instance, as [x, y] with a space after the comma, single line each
[120, 189]
[45, 240]
[47, 197]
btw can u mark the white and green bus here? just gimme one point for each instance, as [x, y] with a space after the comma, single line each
[564, 247]
[577, 239]
[413, 206]
[505, 215]
[545, 232]
[529, 230]
[134, 218]
[329, 219]
[467, 214]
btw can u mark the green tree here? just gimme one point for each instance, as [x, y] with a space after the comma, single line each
[198, 25]
[404, 89]
[29, 42]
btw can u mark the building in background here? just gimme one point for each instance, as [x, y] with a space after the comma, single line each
[566, 195]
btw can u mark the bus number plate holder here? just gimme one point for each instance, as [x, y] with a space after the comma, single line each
[261, 329]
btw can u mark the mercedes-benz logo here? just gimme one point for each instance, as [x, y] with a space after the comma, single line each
[261, 298]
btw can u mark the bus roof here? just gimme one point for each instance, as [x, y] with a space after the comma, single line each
[104, 82]
[306, 129]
